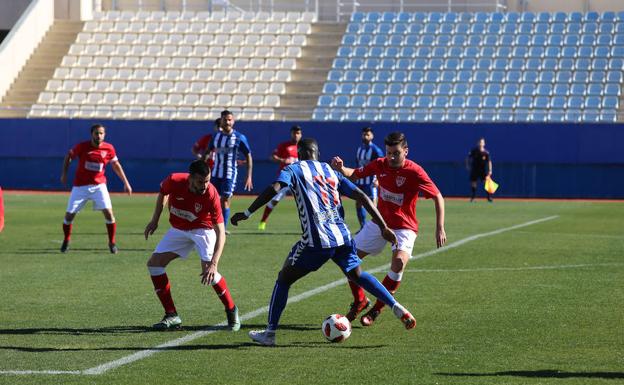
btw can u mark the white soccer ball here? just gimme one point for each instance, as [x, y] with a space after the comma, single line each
[336, 328]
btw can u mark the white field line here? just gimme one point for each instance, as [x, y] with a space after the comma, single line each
[547, 267]
[100, 369]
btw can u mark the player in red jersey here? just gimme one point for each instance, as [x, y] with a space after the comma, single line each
[400, 182]
[197, 222]
[90, 182]
[284, 154]
[200, 148]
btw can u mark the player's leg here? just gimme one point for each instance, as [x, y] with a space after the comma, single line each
[368, 241]
[101, 201]
[473, 189]
[270, 206]
[205, 241]
[111, 229]
[350, 265]
[401, 254]
[487, 193]
[77, 200]
[174, 244]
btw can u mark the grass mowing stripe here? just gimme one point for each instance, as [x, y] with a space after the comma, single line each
[549, 267]
[100, 369]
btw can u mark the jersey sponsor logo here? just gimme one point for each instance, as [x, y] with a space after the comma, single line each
[391, 197]
[179, 198]
[198, 207]
[184, 214]
[329, 216]
[103, 153]
[400, 180]
[94, 166]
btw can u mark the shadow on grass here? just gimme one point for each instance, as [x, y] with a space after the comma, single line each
[544, 373]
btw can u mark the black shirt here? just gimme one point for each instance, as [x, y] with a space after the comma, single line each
[479, 160]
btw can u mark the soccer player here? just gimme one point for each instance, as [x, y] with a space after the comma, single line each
[400, 182]
[226, 144]
[479, 164]
[317, 188]
[366, 153]
[196, 222]
[284, 154]
[90, 183]
[200, 147]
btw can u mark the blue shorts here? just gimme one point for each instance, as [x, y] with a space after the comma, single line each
[369, 189]
[311, 259]
[225, 187]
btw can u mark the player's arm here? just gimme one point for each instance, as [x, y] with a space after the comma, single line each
[439, 209]
[338, 164]
[66, 162]
[210, 268]
[489, 166]
[153, 223]
[248, 181]
[262, 199]
[120, 173]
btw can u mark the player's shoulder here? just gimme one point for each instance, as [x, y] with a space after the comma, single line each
[412, 166]
[178, 177]
[107, 146]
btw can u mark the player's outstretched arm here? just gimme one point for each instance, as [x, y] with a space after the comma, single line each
[120, 173]
[66, 162]
[338, 164]
[439, 208]
[365, 201]
[153, 223]
[260, 201]
[248, 181]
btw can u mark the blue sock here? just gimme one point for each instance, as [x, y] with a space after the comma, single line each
[226, 216]
[361, 214]
[277, 304]
[373, 286]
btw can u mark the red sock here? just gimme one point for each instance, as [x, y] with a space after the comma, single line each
[265, 215]
[111, 228]
[67, 231]
[224, 294]
[163, 291]
[357, 291]
[392, 287]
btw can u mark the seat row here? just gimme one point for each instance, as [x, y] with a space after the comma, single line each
[230, 16]
[166, 62]
[164, 86]
[257, 27]
[484, 17]
[294, 39]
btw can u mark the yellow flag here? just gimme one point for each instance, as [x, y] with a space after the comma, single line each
[490, 185]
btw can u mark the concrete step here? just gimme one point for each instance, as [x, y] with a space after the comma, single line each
[315, 62]
[304, 88]
[322, 27]
[17, 113]
[319, 51]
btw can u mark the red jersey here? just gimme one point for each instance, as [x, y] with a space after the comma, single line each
[398, 191]
[201, 146]
[188, 211]
[91, 162]
[286, 150]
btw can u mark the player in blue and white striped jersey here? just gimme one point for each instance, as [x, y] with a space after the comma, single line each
[366, 153]
[226, 144]
[317, 188]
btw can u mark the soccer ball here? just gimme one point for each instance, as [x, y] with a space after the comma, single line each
[336, 328]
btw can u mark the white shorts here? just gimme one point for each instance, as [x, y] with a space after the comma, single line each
[80, 195]
[181, 242]
[370, 241]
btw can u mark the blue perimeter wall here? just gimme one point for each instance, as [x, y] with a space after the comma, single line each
[530, 160]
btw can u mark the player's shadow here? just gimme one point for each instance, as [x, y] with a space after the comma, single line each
[544, 373]
[251, 232]
[131, 348]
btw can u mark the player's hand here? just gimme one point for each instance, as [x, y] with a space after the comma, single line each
[440, 237]
[208, 273]
[237, 217]
[337, 163]
[248, 185]
[63, 179]
[150, 228]
[128, 189]
[389, 236]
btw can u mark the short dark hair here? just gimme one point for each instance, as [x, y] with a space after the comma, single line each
[96, 126]
[225, 113]
[395, 138]
[217, 122]
[295, 128]
[367, 129]
[199, 167]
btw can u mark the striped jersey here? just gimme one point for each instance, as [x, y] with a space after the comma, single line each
[226, 148]
[364, 155]
[317, 188]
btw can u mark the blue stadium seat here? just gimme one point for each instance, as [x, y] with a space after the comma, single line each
[580, 77]
[351, 115]
[606, 27]
[525, 28]
[509, 28]
[334, 75]
[391, 101]
[499, 64]
[416, 76]
[467, 64]
[357, 101]
[612, 90]
[362, 88]
[424, 52]
[359, 52]
[428, 89]
[415, 29]
[527, 17]
[464, 76]
[432, 75]
[555, 40]
[380, 40]
[494, 89]
[404, 17]
[597, 76]
[358, 17]
[364, 39]
[558, 102]
[347, 88]
[506, 40]
[342, 101]
[477, 88]
[399, 76]
[412, 40]
[411, 89]
[319, 114]
[595, 89]
[374, 101]
[447, 76]
[470, 115]
[539, 115]
[447, 28]
[457, 101]
[558, 17]
[424, 101]
[610, 102]
[577, 89]
[513, 76]
[547, 76]
[395, 88]
[388, 17]
[483, 64]
[535, 64]
[493, 28]
[379, 88]
[516, 64]
[452, 63]
[373, 17]
[527, 89]
[438, 52]
[407, 52]
[396, 40]
[552, 52]
[592, 102]
[343, 52]
[353, 28]
[535, 52]
[617, 52]
[608, 16]
[400, 29]
[511, 89]
[562, 76]
[507, 102]
[420, 115]
[530, 76]
[357, 63]
[566, 64]
[573, 28]
[340, 63]
[473, 102]
[487, 52]
[408, 101]
[544, 89]
[349, 39]
[444, 89]
[325, 101]
[330, 87]
[496, 77]
[575, 17]
[431, 29]
[576, 102]
[481, 17]
[434, 17]
[561, 89]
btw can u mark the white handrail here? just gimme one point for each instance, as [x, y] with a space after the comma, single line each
[23, 39]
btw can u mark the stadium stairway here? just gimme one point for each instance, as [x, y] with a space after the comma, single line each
[33, 78]
[310, 74]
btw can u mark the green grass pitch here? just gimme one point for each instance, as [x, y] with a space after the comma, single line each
[539, 304]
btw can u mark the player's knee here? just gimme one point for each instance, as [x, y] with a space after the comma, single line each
[156, 260]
